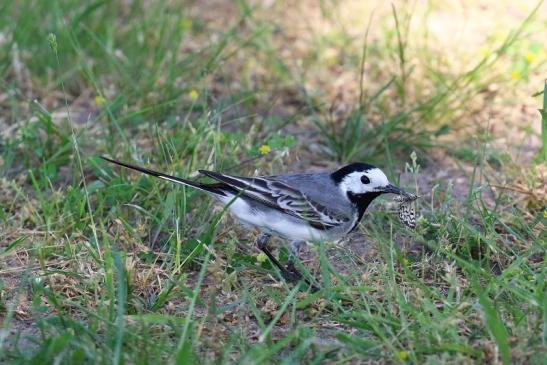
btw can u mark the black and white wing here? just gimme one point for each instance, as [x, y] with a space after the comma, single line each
[280, 196]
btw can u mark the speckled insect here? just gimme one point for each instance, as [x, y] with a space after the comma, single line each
[407, 214]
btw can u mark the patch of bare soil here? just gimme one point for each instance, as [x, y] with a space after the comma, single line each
[14, 295]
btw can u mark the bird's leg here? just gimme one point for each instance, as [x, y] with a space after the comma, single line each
[262, 242]
[295, 254]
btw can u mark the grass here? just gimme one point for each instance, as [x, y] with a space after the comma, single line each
[100, 265]
[543, 113]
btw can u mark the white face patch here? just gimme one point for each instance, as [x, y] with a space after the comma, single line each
[355, 183]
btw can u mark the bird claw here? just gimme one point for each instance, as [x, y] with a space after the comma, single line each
[291, 274]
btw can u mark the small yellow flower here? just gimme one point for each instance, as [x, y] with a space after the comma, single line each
[100, 100]
[193, 94]
[401, 355]
[261, 257]
[530, 57]
[264, 149]
[545, 214]
[516, 75]
[484, 52]
[330, 56]
[185, 24]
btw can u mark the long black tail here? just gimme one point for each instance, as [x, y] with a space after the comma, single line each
[209, 188]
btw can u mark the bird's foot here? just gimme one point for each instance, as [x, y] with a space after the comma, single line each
[291, 274]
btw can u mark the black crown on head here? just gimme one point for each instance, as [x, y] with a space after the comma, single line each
[339, 174]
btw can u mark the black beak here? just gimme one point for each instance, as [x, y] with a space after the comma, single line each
[390, 188]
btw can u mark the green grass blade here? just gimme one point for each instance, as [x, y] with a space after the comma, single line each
[120, 308]
[495, 326]
[543, 113]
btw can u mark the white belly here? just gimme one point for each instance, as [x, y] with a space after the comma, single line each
[273, 221]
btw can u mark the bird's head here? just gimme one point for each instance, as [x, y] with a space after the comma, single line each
[361, 181]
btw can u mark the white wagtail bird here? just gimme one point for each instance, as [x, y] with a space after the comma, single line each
[302, 208]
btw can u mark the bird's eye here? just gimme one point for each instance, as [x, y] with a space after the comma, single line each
[365, 179]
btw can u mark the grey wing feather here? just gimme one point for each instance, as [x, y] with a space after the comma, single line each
[281, 196]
